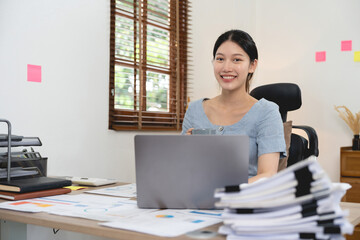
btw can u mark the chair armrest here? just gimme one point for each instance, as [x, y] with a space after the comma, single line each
[313, 140]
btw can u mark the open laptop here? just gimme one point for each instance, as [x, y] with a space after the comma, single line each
[183, 171]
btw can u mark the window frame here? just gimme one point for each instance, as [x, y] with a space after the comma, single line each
[133, 119]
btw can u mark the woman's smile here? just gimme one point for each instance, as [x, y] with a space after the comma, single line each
[228, 78]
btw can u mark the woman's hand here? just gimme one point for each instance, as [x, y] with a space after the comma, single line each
[189, 131]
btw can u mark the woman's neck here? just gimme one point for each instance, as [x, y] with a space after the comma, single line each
[228, 109]
[235, 99]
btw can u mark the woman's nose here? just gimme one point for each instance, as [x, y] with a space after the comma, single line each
[227, 66]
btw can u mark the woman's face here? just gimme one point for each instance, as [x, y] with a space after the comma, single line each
[232, 65]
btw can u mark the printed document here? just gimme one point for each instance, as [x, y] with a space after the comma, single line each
[128, 190]
[165, 223]
[95, 207]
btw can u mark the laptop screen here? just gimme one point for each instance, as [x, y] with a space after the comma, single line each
[182, 171]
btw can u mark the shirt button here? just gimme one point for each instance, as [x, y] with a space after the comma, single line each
[221, 128]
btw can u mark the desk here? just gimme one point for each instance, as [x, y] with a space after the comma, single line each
[92, 228]
[80, 225]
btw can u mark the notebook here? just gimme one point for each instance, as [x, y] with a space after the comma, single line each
[23, 185]
[183, 171]
[36, 194]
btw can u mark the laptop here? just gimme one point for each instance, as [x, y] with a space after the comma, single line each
[183, 171]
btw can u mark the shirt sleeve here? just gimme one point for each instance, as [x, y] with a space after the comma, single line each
[270, 134]
[187, 122]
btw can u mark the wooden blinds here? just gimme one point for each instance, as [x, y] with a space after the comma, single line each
[148, 64]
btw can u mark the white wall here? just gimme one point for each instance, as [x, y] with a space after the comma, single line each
[210, 19]
[288, 34]
[70, 40]
[69, 109]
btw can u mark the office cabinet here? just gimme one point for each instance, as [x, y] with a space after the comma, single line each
[350, 173]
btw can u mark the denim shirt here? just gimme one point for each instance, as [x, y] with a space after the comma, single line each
[262, 123]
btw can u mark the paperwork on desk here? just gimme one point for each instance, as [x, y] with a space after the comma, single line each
[299, 202]
[95, 207]
[128, 190]
[119, 212]
[166, 223]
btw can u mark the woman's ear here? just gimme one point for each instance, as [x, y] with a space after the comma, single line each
[253, 66]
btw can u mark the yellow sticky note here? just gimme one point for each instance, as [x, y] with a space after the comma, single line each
[357, 56]
[74, 188]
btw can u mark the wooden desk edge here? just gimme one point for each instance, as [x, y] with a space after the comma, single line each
[354, 212]
[91, 227]
[86, 226]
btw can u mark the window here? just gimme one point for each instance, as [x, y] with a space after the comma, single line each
[148, 64]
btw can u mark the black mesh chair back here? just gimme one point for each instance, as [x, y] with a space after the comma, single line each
[288, 97]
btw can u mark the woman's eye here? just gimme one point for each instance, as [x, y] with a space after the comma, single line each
[220, 59]
[237, 60]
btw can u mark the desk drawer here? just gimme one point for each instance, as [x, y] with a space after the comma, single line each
[350, 162]
[353, 194]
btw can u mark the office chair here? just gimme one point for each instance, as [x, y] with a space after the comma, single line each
[288, 97]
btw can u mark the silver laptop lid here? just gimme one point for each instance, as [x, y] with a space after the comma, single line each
[180, 171]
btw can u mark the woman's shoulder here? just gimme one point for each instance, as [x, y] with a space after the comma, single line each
[265, 110]
[264, 105]
[197, 103]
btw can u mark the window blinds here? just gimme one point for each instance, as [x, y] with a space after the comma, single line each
[148, 64]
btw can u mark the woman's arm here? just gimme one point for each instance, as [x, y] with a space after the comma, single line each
[187, 122]
[270, 140]
[267, 166]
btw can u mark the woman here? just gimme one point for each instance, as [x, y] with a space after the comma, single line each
[234, 111]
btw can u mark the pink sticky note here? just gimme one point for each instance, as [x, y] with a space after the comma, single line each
[346, 45]
[320, 56]
[33, 73]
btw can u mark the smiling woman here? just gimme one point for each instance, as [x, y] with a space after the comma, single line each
[234, 111]
[232, 66]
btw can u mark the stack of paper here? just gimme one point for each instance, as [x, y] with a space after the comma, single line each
[17, 172]
[299, 202]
